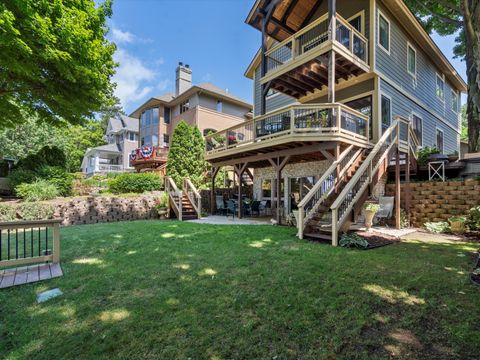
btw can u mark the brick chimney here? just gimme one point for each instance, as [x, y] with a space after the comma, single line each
[183, 78]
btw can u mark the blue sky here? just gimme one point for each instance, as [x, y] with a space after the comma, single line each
[210, 35]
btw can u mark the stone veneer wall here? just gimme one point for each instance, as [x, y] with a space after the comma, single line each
[438, 201]
[92, 210]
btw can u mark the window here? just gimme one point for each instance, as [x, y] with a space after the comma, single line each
[455, 102]
[364, 105]
[440, 87]
[155, 115]
[166, 139]
[440, 141]
[185, 106]
[386, 112]
[411, 60]
[132, 136]
[384, 33]
[166, 118]
[219, 106]
[417, 123]
[357, 21]
[154, 140]
[267, 189]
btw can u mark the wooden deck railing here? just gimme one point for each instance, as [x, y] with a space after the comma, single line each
[318, 120]
[175, 196]
[29, 242]
[193, 196]
[314, 36]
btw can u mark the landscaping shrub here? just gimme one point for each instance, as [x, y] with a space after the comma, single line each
[437, 227]
[7, 212]
[37, 191]
[36, 211]
[473, 218]
[353, 241]
[135, 183]
[47, 156]
[424, 154]
[21, 176]
[59, 177]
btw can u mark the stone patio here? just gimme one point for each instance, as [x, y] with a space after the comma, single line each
[223, 220]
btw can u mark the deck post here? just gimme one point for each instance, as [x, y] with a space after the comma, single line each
[56, 243]
[212, 191]
[240, 170]
[408, 194]
[278, 165]
[397, 188]
[332, 26]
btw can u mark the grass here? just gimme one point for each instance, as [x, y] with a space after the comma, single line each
[168, 290]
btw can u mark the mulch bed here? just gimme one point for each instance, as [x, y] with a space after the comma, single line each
[376, 240]
[472, 236]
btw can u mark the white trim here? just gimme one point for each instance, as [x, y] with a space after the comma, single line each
[381, 14]
[441, 77]
[383, 94]
[436, 139]
[410, 46]
[414, 113]
[362, 20]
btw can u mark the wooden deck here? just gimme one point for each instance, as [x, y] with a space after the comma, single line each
[29, 274]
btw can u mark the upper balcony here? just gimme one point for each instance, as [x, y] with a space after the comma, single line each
[299, 64]
[296, 124]
[148, 157]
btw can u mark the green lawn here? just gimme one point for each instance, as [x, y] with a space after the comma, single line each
[168, 290]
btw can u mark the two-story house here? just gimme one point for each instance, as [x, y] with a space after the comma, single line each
[341, 89]
[114, 157]
[205, 106]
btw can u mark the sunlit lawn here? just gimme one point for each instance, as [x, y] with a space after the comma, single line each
[167, 290]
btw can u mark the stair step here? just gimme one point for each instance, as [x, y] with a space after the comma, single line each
[318, 236]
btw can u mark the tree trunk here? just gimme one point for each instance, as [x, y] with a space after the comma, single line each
[472, 58]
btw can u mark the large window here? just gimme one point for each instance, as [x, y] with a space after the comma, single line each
[455, 102]
[386, 112]
[440, 90]
[440, 145]
[185, 106]
[166, 118]
[384, 33]
[411, 60]
[417, 124]
[149, 127]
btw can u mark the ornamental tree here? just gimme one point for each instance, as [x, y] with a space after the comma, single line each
[55, 62]
[460, 17]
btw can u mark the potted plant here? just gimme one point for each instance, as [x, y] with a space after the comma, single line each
[370, 210]
[457, 224]
[162, 206]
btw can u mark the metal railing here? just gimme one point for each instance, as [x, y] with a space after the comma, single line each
[110, 168]
[313, 36]
[175, 196]
[29, 242]
[321, 120]
[193, 196]
[325, 187]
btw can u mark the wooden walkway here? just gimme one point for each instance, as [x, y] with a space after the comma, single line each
[29, 274]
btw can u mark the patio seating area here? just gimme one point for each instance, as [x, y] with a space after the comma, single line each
[250, 208]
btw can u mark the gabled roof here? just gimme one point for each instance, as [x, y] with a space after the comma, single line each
[110, 148]
[123, 122]
[290, 13]
[170, 99]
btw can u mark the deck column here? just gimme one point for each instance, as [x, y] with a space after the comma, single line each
[240, 170]
[397, 188]
[279, 164]
[408, 194]
[332, 29]
[212, 191]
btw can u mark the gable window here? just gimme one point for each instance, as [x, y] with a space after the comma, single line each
[384, 33]
[166, 116]
[440, 87]
[417, 123]
[440, 141]
[455, 102]
[219, 106]
[386, 112]
[185, 106]
[411, 60]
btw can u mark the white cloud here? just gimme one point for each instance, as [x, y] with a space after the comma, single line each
[134, 79]
[120, 36]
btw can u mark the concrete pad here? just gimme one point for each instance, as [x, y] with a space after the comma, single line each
[223, 220]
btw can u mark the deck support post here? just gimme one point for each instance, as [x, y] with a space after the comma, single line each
[212, 191]
[408, 194]
[332, 26]
[240, 170]
[397, 188]
[278, 165]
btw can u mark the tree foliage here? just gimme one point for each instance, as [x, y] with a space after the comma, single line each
[55, 62]
[460, 17]
[186, 155]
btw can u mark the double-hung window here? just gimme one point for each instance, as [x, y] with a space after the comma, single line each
[411, 61]
[455, 101]
[440, 87]
[440, 140]
[386, 112]
[417, 124]
[384, 33]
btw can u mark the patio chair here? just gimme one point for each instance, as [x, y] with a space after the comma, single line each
[221, 209]
[386, 209]
[256, 208]
[231, 208]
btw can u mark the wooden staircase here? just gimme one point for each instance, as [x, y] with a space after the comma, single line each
[188, 211]
[186, 204]
[337, 198]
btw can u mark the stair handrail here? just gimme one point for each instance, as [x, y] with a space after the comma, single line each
[175, 196]
[322, 189]
[193, 195]
[365, 172]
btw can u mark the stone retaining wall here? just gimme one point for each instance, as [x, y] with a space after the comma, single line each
[438, 201]
[92, 210]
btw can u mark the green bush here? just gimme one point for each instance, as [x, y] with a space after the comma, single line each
[37, 191]
[21, 176]
[135, 183]
[59, 177]
[424, 154]
[437, 227]
[473, 218]
[36, 211]
[353, 241]
[47, 156]
[7, 212]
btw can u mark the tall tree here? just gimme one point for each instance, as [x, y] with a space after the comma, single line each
[55, 62]
[185, 157]
[461, 17]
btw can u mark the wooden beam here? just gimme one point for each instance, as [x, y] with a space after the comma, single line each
[311, 14]
[306, 79]
[290, 78]
[329, 156]
[283, 26]
[287, 85]
[397, 189]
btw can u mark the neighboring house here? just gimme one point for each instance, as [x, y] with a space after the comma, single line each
[341, 88]
[205, 106]
[122, 138]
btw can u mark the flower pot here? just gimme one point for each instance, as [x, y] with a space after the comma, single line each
[452, 158]
[457, 227]
[162, 213]
[369, 215]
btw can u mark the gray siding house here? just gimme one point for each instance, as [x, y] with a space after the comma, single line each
[339, 85]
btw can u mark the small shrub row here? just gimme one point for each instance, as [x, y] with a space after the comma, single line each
[38, 191]
[54, 175]
[135, 183]
[26, 211]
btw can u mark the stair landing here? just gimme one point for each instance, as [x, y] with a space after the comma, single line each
[29, 274]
